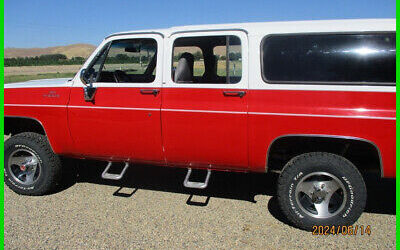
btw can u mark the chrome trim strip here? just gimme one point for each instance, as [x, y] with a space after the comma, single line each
[329, 116]
[118, 108]
[327, 136]
[83, 107]
[136, 33]
[207, 111]
[207, 30]
[34, 85]
[35, 105]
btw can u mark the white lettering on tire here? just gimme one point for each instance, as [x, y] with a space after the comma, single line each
[290, 198]
[351, 197]
[298, 176]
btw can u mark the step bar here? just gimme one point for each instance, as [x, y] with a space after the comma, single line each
[197, 185]
[116, 177]
[187, 183]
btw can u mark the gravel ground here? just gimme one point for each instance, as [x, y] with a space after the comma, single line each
[149, 208]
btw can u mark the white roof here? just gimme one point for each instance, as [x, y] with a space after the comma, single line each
[262, 28]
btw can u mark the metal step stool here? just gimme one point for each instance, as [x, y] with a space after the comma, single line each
[108, 176]
[197, 185]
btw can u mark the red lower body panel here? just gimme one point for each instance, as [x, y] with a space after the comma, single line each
[364, 115]
[202, 127]
[46, 105]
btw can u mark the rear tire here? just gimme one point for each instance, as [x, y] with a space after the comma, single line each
[30, 165]
[321, 189]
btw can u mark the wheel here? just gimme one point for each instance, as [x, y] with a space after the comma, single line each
[30, 165]
[321, 189]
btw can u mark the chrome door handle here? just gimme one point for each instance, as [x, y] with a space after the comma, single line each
[149, 91]
[234, 93]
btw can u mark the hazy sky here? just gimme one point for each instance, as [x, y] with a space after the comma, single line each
[43, 23]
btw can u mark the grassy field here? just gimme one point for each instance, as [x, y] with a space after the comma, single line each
[35, 70]
[22, 78]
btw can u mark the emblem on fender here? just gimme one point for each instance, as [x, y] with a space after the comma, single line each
[52, 94]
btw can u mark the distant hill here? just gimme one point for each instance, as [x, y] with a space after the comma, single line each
[73, 50]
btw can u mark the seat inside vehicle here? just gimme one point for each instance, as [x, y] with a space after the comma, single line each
[184, 71]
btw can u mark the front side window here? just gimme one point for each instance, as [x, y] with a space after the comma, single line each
[207, 59]
[127, 61]
[329, 58]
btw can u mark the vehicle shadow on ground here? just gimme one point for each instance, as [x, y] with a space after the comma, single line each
[228, 185]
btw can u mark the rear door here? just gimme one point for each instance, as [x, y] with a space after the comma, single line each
[204, 109]
[123, 122]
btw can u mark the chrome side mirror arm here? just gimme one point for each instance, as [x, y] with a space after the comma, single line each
[89, 91]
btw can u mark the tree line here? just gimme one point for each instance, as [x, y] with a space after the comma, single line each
[51, 59]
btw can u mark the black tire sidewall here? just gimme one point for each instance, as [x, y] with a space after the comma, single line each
[13, 144]
[338, 166]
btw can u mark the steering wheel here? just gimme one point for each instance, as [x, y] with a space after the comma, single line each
[120, 76]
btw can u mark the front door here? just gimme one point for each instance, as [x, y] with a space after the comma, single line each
[204, 109]
[123, 121]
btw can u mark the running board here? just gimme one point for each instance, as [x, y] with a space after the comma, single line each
[108, 176]
[198, 185]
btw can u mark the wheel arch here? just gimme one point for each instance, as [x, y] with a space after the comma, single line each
[19, 124]
[326, 140]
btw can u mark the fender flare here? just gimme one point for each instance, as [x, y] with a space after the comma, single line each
[36, 120]
[326, 136]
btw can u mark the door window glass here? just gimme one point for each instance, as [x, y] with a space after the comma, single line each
[207, 59]
[128, 61]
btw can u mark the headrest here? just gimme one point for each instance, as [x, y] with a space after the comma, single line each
[184, 71]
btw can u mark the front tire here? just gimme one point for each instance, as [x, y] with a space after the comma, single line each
[30, 165]
[321, 189]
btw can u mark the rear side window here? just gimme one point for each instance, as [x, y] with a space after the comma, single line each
[329, 58]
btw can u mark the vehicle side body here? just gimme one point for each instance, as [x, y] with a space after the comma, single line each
[199, 126]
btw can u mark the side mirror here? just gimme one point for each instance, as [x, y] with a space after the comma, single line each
[88, 91]
[87, 76]
[83, 77]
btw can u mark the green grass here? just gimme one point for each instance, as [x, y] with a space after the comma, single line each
[23, 78]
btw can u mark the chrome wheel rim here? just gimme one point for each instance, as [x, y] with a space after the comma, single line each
[321, 195]
[24, 166]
